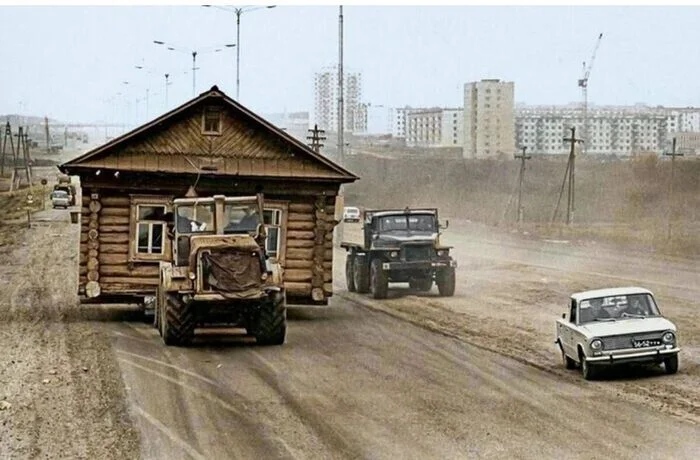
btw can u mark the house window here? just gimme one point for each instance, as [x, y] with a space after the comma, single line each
[211, 123]
[148, 239]
[273, 224]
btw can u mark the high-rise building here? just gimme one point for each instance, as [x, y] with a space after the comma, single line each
[326, 101]
[489, 121]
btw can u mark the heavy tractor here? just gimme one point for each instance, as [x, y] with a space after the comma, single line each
[219, 273]
[400, 246]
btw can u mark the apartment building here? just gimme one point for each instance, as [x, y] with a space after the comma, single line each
[326, 101]
[489, 121]
[434, 127]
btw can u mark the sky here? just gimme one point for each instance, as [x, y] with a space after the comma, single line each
[70, 62]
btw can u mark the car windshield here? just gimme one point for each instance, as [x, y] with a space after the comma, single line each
[414, 222]
[60, 194]
[195, 218]
[241, 218]
[617, 307]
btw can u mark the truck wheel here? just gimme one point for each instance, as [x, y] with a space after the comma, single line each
[350, 273]
[178, 321]
[361, 277]
[271, 327]
[445, 281]
[423, 285]
[378, 280]
[671, 364]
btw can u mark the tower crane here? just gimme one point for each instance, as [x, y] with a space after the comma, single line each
[583, 84]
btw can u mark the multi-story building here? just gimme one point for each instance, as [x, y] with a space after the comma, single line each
[435, 127]
[326, 101]
[612, 130]
[489, 122]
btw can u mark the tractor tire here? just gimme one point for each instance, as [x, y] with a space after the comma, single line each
[271, 324]
[177, 321]
[361, 277]
[350, 272]
[422, 285]
[445, 281]
[378, 280]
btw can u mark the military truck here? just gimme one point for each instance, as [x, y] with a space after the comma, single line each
[400, 246]
[219, 273]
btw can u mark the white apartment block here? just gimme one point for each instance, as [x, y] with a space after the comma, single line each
[618, 131]
[489, 121]
[326, 101]
[398, 120]
[435, 127]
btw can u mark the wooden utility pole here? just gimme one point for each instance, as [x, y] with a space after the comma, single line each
[572, 176]
[317, 135]
[341, 108]
[522, 159]
[673, 156]
[8, 134]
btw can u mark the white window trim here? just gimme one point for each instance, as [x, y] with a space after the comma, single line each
[282, 208]
[147, 200]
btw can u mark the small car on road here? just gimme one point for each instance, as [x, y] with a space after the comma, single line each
[351, 214]
[606, 327]
[60, 199]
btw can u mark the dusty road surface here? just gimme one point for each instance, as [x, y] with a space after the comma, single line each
[350, 382]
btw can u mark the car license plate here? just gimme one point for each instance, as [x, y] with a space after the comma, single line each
[646, 343]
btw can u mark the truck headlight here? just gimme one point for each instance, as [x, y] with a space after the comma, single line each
[596, 344]
[441, 253]
[393, 254]
[668, 337]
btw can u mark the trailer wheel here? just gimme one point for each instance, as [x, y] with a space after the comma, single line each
[350, 272]
[271, 324]
[379, 281]
[361, 275]
[445, 281]
[177, 322]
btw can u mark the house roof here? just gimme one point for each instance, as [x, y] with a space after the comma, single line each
[340, 174]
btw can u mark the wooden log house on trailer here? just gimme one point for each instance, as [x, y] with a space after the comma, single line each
[209, 145]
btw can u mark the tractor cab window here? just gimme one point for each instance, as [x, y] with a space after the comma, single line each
[195, 218]
[241, 218]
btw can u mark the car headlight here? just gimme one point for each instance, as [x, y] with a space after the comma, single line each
[668, 337]
[596, 344]
[394, 254]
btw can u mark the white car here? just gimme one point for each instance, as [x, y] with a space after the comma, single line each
[60, 199]
[613, 326]
[351, 214]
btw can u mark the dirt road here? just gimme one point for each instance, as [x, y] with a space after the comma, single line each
[351, 382]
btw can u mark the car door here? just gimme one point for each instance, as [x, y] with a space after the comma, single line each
[565, 331]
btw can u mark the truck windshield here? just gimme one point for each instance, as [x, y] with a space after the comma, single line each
[241, 218]
[414, 222]
[195, 218]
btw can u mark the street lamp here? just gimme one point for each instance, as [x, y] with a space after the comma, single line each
[194, 56]
[238, 12]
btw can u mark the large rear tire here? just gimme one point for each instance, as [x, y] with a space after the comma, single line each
[350, 272]
[378, 280]
[178, 321]
[271, 327]
[361, 275]
[446, 282]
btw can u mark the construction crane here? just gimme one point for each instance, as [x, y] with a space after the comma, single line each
[583, 84]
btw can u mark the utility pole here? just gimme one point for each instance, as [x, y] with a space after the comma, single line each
[522, 159]
[673, 156]
[572, 175]
[317, 135]
[341, 109]
[167, 75]
[194, 70]
[8, 134]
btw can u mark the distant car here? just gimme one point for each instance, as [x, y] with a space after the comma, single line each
[351, 214]
[60, 199]
[606, 327]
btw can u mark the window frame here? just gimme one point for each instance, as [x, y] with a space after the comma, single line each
[147, 200]
[212, 108]
[283, 208]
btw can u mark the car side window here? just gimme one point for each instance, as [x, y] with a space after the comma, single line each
[572, 314]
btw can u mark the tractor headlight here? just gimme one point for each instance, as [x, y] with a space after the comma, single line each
[191, 275]
[596, 344]
[264, 276]
[394, 254]
[668, 337]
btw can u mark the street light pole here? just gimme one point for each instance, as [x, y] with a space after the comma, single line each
[194, 71]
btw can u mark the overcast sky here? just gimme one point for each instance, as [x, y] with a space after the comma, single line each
[68, 62]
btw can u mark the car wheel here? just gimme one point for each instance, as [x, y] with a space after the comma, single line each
[671, 364]
[587, 370]
[568, 362]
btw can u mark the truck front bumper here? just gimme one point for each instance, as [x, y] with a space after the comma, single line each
[419, 265]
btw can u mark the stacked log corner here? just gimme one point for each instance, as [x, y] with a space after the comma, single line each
[92, 285]
[309, 254]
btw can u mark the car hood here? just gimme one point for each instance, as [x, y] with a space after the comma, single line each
[628, 326]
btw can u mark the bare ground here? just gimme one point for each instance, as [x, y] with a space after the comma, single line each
[61, 392]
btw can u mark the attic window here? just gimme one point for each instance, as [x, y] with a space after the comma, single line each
[211, 122]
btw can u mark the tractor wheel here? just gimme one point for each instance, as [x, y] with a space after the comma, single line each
[177, 322]
[378, 280]
[446, 282]
[350, 273]
[361, 276]
[421, 284]
[271, 327]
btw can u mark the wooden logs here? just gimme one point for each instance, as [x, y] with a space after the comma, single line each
[92, 289]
